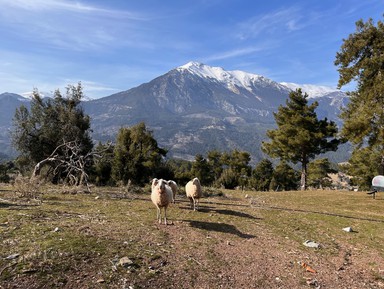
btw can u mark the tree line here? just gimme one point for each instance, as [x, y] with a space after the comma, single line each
[53, 137]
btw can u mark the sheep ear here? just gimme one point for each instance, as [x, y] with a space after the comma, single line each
[155, 182]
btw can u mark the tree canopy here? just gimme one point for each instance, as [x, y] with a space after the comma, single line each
[49, 124]
[136, 155]
[361, 61]
[300, 136]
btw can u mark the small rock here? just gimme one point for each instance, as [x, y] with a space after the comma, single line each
[312, 282]
[125, 262]
[311, 244]
[56, 229]
[348, 229]
[13, 256]
[101, 280]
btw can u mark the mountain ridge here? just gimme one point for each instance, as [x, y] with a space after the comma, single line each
[195, 108]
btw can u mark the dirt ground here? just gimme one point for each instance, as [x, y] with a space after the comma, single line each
[226, 244]
[258, 260]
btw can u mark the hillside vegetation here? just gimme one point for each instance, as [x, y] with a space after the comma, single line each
[110, 239]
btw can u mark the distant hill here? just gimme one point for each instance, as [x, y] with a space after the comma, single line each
[8, 104]
[195, 108]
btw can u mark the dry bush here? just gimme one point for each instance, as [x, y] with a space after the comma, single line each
[129, 190]
[28, 188]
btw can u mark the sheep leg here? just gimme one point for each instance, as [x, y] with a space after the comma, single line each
[158, 215]
[191, 202]
[165, 215]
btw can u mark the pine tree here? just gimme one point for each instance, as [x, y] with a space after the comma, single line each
[202, 170]
[262, 175]
[318, 171]
[284, 178]
[136, 155]
[363, 166]
[360, 60]
[300, 136]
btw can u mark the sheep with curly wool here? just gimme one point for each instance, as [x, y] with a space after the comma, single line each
[161, 197]
[174, 188]
[194, 193]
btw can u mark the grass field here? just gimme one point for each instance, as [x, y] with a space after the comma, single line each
[110, 239]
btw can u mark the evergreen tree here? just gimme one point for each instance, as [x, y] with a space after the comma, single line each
[318, 171]
[363, 166]
[181, 169]
[48, 124]
[262, 175]
[102, 165]
[300, 136]
[360, 60]
[136, 155]
[214, 159]
[6, 169]
[201, 170]
[284, 178]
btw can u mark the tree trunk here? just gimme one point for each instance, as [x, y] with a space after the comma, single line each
[381, 166]
[303, 180]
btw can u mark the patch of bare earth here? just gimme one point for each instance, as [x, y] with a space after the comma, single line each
[206, 254]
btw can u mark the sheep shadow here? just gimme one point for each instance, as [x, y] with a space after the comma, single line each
[236, 214]
[219, 227]
[320, 213]
[4, 204]
[210, 209]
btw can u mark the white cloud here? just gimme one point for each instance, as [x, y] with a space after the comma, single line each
[57, 24]
[238, 52]
[270, 23]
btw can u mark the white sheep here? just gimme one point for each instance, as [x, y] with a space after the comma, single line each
[194, 193]
[161, 196]
[174, 188]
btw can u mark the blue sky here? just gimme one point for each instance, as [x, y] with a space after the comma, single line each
[111, 46]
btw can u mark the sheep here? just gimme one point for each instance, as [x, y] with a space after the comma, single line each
[161, 197]
[193, 191]
[174, 188]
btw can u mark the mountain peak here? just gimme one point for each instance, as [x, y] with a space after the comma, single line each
[313, 91]
[230, 77]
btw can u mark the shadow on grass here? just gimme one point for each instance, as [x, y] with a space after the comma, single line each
[235, 213]
[320, 213]
[219, 227]
[5, 205]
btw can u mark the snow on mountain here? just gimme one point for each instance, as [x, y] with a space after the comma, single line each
[194, 108]
[313, 91]
[231, 78]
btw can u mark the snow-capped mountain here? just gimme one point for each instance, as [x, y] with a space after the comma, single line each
[196, 108]
[231, 79]
[313, 91]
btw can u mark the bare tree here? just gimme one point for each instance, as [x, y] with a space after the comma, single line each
[70, 163]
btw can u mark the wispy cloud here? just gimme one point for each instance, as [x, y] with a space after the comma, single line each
[235, 53]
[69, 6]
[286, 20]
[69, 25]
